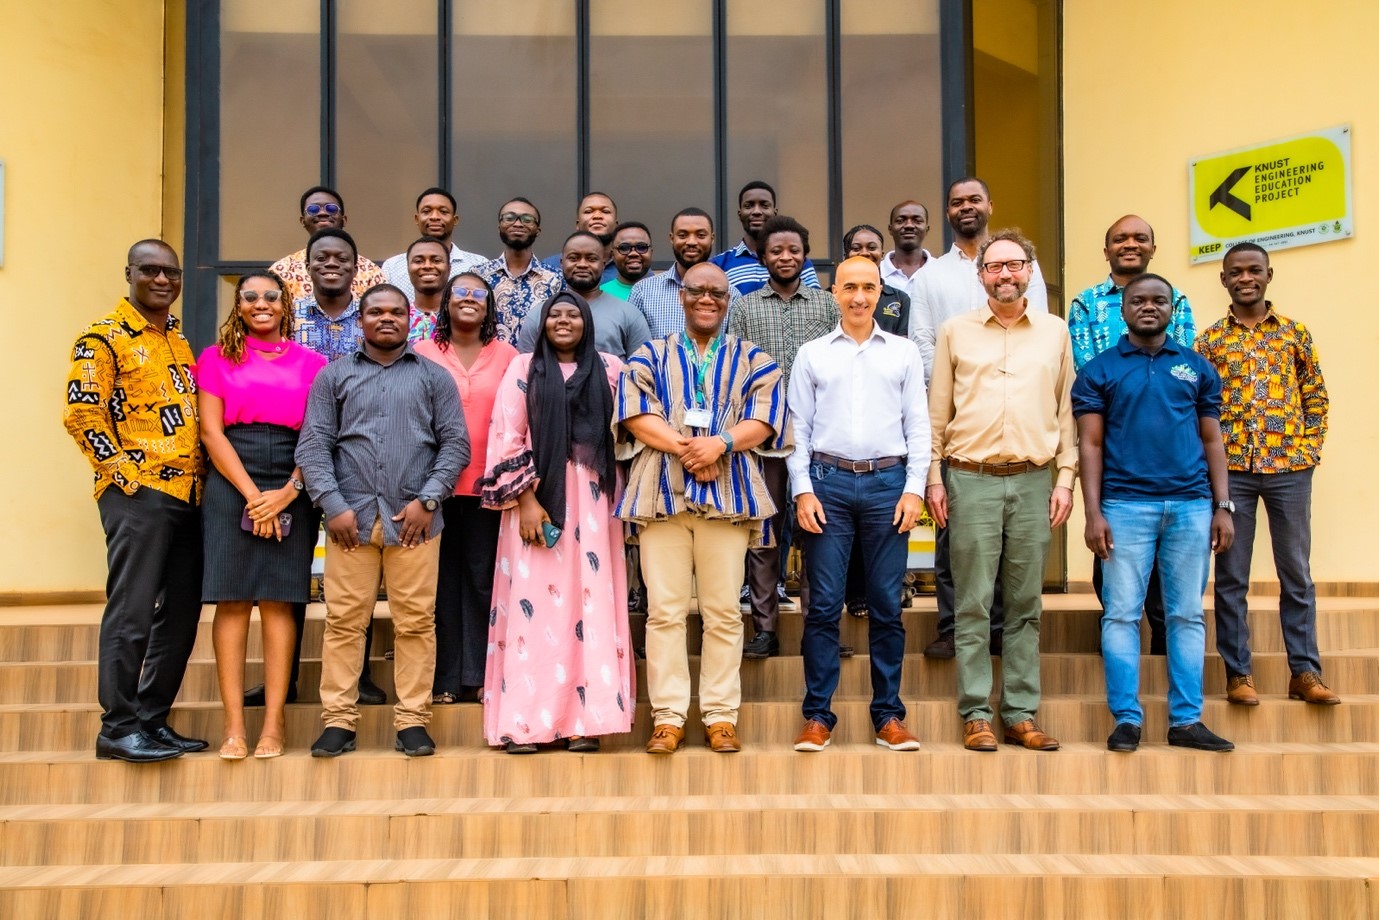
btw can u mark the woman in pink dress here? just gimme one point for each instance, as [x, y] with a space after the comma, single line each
[559, 651]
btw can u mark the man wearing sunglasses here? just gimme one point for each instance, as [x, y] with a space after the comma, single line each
[131, 408]
[519, 282]
[631, 251]
[322, 208]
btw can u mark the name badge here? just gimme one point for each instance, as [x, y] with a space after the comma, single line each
[698, 418]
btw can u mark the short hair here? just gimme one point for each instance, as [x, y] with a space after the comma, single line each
[382, 287]
[525, 201]
[632, 225]
[1246, 247]
[851, 234]
[437, 190]
[587, 195]
[427, 239]
[331, 233]
[1008, 235]
[1119, 219]
[755, 184]
[151, 241]
[986, 189]
[301, 207]
[692, 212]
[579, 233]
[782, 223]
[1142, 278]
[920, 204]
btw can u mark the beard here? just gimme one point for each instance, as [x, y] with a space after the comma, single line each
[784, 280]
[514, 244]
[582, 286]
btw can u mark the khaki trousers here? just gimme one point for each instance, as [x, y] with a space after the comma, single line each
[352, 581]
[679, 552]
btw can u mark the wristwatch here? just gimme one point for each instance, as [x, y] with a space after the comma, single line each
[297, 483]
[430, 504]
[1227, 505]
[727, 439]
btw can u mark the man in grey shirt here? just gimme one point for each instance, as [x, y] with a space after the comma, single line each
[382, 444]
[619, 328]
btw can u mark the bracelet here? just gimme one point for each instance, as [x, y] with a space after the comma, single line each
[727, 439]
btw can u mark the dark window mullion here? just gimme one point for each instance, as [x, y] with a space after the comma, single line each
[328, 47]
[582, 101]
[720, 116]
[446, 50]
[833, 54]
[955, 88]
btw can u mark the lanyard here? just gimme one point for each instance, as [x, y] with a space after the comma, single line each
[701, 368]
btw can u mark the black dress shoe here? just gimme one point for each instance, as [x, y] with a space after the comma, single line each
[166, 736]
[370, 693]
[254, 696]
[137, 747]
[762, 645]
[1198, 736]
[414, 742]
[943, 647]
[333, 742]
[1125, 738]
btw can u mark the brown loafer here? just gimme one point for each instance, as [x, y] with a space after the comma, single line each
[1308, 686]
[722, 738]
[665, 739]
[1027, 734]
[1240, 690]
[978, 736]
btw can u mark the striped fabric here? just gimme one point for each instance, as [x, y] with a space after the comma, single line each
[743, 383]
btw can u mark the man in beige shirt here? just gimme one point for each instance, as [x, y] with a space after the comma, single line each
[1000, 409]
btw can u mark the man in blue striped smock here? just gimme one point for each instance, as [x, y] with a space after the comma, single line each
[696, 411]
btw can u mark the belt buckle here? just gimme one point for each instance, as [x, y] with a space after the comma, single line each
[864, 466]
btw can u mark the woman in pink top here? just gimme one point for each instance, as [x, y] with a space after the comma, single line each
[466, 343]
[257, 522]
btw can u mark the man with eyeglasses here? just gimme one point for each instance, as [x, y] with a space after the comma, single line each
[618, 328]
[131, 408]
[437, 215]
[520, 284]
[756, 204]
[658, 296]
[950, 286]
[597, 214]
[631, 251]
[908, 226]
[1001, 412]
[322, 208]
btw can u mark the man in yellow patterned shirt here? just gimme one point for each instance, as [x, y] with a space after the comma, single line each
[131, 408]
[1273, 418]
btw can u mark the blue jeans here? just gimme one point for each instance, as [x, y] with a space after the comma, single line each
[1178, 535]
[858, 507]
[1288, 502]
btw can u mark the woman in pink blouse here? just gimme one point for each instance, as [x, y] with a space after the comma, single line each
[257, 522]
[466, 343]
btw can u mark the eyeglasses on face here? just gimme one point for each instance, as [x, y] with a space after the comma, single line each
[512, 217]
[252, 297]
[995, 268]
[695, 293]
[329, 207]
[460, 292]
[626, 248]
[153, 271]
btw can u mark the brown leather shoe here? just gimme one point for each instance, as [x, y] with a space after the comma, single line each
[1240, 690]
[722, 738]
[896, 736]
[665, 739]
[1308, 686]
[978, 736]
[1029, 735]
[813, 737]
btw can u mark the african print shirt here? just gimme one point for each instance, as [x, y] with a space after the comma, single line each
[1095, 323]
[292, 270]
[1273, 397]
[332, 338]
[518, 295]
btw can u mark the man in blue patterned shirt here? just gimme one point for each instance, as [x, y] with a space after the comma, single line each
[756, 204]
[519, 282]
[327, 321]
[1095, 324]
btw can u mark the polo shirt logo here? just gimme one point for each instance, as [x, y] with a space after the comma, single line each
[1183, 372]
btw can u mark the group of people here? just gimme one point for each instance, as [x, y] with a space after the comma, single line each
[495, 436]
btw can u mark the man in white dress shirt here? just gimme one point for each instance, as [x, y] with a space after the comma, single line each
[908, 226]
[437, 215]
[857, 473]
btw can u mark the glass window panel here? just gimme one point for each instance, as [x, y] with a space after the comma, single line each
[778, 112]
[651, 140]
[891, 114]
[270, 124]
[513, 95]
[387, 133]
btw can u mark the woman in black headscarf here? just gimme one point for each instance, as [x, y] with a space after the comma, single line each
[559, 653]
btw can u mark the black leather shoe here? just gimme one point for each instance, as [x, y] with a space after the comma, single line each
[942, 647]
[414, 742]
[254, 696]
[370, 693]
[1198, 736]
[333, 742]
[763, 645]
[1125, 738]
[137, 747]
[165, 735]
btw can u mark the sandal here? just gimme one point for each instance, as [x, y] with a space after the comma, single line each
[444, 699]
[269, 746]
[234, 747]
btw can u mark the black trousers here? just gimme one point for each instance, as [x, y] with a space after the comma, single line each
[153, 549]
[464, 593]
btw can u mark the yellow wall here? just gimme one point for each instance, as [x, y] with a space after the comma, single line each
[81, 134]
[1146, 87]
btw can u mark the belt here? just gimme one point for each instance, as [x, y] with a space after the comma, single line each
[856, 466]
[996, 469]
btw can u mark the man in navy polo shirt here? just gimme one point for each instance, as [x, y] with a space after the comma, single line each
[1154, 481]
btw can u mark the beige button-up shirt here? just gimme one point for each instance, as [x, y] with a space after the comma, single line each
[1002, 395]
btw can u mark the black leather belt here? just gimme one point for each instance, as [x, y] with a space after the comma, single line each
[856, 466]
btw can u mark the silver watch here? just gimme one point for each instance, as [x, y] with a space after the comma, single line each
[1226, 505]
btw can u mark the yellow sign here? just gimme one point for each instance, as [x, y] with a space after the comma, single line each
[1292, 192]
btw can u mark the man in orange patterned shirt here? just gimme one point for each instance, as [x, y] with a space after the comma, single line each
[322, 207]
[1273, 418]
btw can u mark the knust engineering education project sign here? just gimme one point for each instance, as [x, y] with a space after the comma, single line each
[1291, 192]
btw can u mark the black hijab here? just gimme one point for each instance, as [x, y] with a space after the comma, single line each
[568, 419]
